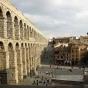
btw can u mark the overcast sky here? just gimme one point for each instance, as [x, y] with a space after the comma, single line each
[56, 18]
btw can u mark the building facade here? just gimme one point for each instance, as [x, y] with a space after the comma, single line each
[84, 39]
[70, 51]
[62, 55]
[21, 45]
[77, 53]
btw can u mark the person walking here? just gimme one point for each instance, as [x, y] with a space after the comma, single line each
[34, 82]
[37, 83]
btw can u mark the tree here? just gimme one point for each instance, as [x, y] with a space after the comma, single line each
[84, 60]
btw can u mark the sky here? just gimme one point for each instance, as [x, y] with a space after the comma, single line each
[56, 18]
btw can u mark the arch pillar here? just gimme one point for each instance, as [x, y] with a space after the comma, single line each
[31, 64]
[12, 76]
[19, 63]
[27, 60]
[24, 62]
[7, 59]
[7, 65]
[34, 59]
[15, 81]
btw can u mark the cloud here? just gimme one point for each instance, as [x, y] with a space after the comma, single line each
[44, 19]
[56, 17]
[82, 15]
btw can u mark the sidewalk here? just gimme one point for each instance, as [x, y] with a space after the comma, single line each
[55, 66]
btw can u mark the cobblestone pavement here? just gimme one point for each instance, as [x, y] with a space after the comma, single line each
[36, 81]
[62, 72]
[28, 86]
[48, 73]
[27, 81]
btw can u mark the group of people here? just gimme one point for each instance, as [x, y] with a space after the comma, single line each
[41, 82]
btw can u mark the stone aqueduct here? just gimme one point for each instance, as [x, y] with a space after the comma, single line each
[21, 44]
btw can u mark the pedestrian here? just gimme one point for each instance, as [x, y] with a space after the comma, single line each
[70, 70]
[44, 82]
[37, 83]
[50, 66]
[57, 67]
[42, 77]
[47, 80]
[34, 82]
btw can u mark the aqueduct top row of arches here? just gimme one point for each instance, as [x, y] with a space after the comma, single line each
[13, 27]
[3, 45]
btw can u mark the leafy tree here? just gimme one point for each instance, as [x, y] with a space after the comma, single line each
[84, 60]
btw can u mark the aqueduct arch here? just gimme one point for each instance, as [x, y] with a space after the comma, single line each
[25, 31]
[9, 25]
[1, 23]
[16, 26]
[21, 30]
